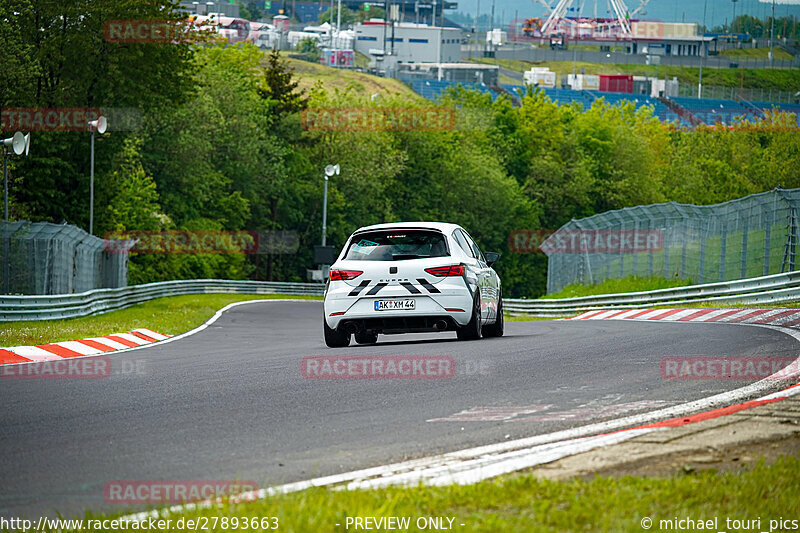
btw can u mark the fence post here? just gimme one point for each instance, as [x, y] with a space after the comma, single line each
[723, 243]
[743, 271]
[767, 237]
[702, 257]
[635, 253]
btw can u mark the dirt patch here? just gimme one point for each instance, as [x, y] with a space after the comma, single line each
[728, 443]
[725, 459]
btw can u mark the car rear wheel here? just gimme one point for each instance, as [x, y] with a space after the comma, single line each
[366, 337]
[333, 338]
[496, 329]
[473, 329]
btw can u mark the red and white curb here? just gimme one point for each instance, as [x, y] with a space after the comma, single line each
[80, 348]
[774, 317]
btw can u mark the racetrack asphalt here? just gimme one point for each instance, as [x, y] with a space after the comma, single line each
[230, 402]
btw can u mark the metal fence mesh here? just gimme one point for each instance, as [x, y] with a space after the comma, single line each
[44, 258]
[749, 237]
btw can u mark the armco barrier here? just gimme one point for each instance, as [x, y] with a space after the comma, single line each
[15, 308]
[773, 289]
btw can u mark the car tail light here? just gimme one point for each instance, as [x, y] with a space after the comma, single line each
[450, 270]
[344, 275]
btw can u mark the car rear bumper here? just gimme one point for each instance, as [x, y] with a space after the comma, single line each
[452, 305]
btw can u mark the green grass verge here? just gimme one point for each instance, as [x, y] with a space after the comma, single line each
[521, 502]
[757, 53]
[613, 286]
[171, 316]
[308, 74]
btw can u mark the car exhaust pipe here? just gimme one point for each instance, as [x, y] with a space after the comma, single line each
[351, 328]
[440, 325]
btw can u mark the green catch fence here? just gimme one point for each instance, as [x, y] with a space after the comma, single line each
[44, 258]
[744, 238]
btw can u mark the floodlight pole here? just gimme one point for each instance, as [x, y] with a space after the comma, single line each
[772, 36]
[98, 125]
[5, 185]
[330, 171]
[6, 259]
[324, 209]
[91, 189]
[12, 143]
[702, 57]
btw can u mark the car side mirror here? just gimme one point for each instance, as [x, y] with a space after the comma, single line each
[491, 257]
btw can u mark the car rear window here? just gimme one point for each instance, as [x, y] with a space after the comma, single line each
[396, 245]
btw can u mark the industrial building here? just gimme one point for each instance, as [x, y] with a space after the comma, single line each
[407, 42]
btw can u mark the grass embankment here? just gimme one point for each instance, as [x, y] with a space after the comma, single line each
[776, 79]
[521, 502]
[308, 74]
[756, 53]
[613, 286]
[171, 316]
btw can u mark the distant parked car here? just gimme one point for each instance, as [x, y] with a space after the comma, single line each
[411, 277]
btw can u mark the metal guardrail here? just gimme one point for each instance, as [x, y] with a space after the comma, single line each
[772, 289]
[54, 307]
[776, 288]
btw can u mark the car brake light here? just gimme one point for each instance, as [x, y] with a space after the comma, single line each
[343, 275]
[450, 270]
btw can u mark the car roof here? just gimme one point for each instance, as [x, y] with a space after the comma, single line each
[444, 227]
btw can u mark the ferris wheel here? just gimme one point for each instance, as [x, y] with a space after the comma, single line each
[557, 13]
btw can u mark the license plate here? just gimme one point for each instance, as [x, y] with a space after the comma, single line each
[395, 305]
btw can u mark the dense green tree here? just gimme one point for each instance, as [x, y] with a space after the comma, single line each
[69, 63]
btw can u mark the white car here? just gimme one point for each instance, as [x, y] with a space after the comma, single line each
[411, 277]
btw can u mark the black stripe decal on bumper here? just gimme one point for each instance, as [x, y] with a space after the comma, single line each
[374, 290]
[360, 287]
[430, 288]
[412, 289]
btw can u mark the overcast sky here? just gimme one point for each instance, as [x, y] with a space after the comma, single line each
[664, 10]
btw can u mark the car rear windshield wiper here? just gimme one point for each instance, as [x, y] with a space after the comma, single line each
[398, 257]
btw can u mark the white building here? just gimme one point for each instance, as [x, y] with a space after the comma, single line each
[408, 43]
